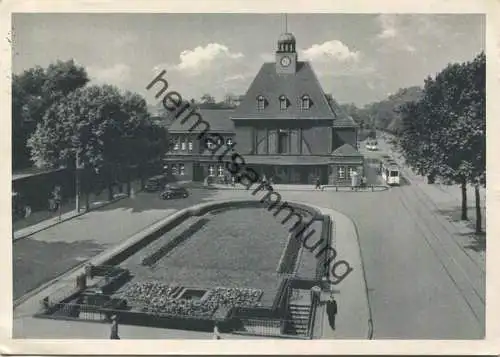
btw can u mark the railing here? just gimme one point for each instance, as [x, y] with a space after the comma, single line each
[266, 327]
[360, 188]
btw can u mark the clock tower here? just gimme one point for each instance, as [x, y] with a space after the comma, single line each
[286, 57]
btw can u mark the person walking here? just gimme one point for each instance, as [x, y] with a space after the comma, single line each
[114, 328]
[331, 311]
[318, 184]
[216, 331]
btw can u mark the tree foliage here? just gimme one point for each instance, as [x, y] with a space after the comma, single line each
[33, 92]
[444, 133]
[101, 126]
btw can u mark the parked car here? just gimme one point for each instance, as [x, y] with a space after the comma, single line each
[155, 183]
[174, 192]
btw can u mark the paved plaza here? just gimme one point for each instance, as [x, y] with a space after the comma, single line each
[425, 272]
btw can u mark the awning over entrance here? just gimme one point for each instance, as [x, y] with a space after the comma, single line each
[291, 160]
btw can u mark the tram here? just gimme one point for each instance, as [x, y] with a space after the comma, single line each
[390, 172]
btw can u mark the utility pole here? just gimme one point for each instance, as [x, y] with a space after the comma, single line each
[77, 182]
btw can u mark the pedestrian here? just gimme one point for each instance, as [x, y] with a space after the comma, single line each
[318, 184]
[216, 331]
[331, 311]
[114, 328]
[354, 181]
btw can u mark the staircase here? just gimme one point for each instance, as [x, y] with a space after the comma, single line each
[299, 320]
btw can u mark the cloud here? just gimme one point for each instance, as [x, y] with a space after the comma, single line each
[406, 33]
[387, 26]
[395, 33]
[331, 50]
[201, 58]
[116, 74]
[334, 58]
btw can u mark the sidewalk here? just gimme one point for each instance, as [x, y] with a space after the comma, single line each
[54, 250]
[354, 316]
[30, 327]
[352, 320]
[96, 202]
[299, 187]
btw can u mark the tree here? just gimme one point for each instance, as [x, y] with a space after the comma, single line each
[33, 92]
[444, 133]
[207, 99]
[94, 129]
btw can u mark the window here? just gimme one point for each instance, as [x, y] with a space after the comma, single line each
[190, 145]
[305, 104]
[261, 102]
[221, 170]
[174, 169]
[229, 141]
[209, 144]
[211, 170]
[394, 173]
[282, 141]
[176, 144]
[182, 169]
[183, 146]
[340, 172]
[351, 171]
[165, 168]
[283, 102]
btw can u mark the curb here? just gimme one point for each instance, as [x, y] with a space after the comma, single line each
[125, 244]
[14, 238]
[370, 314]
[103, 256]
[328, 188]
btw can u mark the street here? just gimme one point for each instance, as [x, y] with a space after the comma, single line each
[425, 278]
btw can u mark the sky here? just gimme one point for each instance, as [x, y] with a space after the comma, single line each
[358, 58]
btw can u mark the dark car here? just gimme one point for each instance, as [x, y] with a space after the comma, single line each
[155, 183]
[174, 192]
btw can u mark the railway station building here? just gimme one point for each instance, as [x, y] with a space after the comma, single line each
[285, 127]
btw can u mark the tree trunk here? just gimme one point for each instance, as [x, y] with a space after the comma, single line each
[87, 200]
[479, 228]
[110, 192]
[463, 187]
[128, 182]
[77, 189]
[143, 181]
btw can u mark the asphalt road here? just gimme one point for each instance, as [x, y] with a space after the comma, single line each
[423, 282]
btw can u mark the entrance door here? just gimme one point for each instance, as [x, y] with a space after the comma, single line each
[198, 172]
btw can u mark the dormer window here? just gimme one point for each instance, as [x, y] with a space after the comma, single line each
[261, 102]
[283, 102]
[305, 102]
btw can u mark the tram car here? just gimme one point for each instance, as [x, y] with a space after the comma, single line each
[391, 173]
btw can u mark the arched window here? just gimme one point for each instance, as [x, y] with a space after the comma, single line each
[283, 102]
[261, 102]
[305, 102]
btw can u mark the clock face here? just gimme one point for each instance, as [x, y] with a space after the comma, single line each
[285, 61]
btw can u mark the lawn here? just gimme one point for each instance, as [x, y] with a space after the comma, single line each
[234, 248]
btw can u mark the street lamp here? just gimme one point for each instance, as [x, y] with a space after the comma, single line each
[78, 167]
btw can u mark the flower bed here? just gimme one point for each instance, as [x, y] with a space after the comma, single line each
[156, 297]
